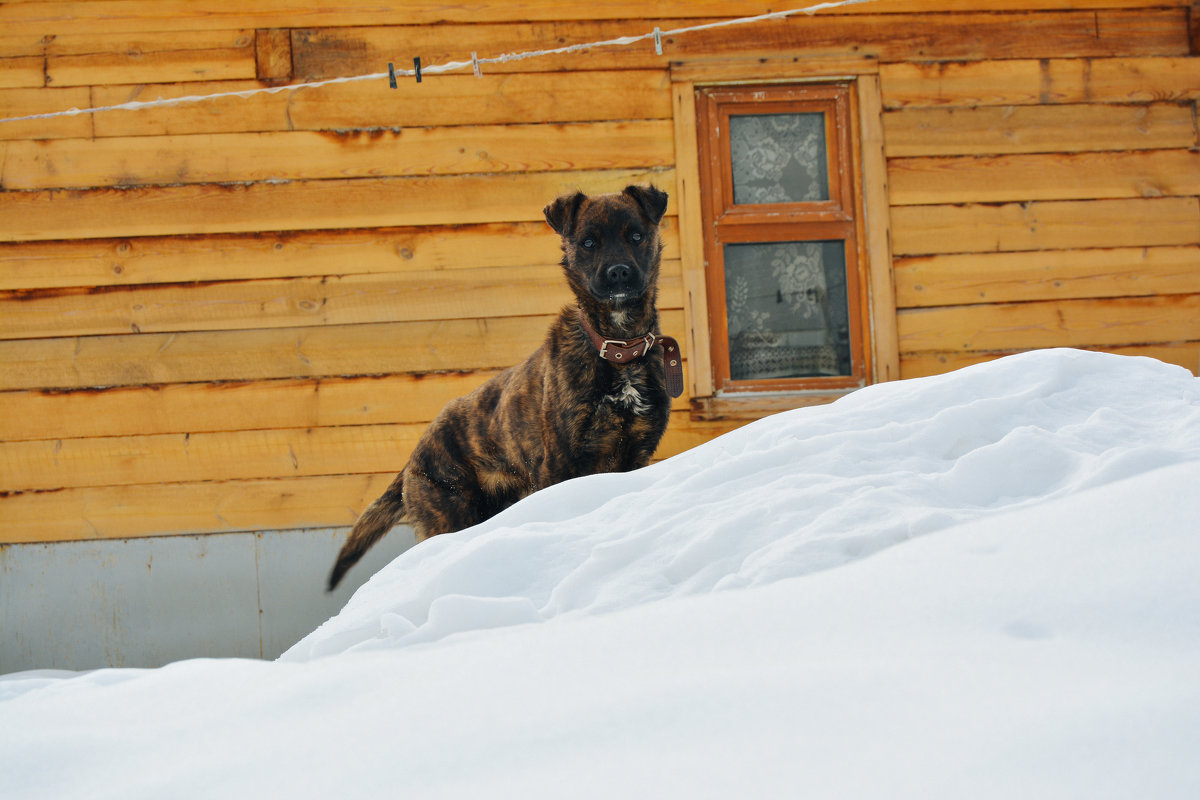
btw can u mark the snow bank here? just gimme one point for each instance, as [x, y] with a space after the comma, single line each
[976, 585]
[790, 495]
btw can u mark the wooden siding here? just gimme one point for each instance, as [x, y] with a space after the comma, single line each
[1041, 204]
[239, 314]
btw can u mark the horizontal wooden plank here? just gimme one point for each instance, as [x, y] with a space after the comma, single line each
[240, 455]
[771, 68]
[1041, 82]
[25, 102]
[27, 44]
[450, 100]
[684, 433]
[65, 16]
[748, 407]
[247, 157]
[325, 351]
[97, 59]
[1135, 25]
[961, 279]
[319, 53]
[995, 130]
[179, 458]
[1182, 354]
[1053, 323]
[920, 365]
[1059, 176]
[299, 302]
[137, 359]
[300, 205]
[109, 16]
[1063, 33]
[491, 99]
[918, 37]
[927, 363]
[922, 230]
[208, 507]
[22, 62]
[179, 259]
[211, 407]
[20, 71]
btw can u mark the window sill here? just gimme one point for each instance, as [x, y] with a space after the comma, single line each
[749, 406]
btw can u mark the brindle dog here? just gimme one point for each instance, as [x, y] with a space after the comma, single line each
[577, 406]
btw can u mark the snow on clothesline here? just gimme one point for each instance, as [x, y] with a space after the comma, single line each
[474, 64]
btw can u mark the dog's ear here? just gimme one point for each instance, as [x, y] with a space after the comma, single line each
[562, 212]
[651, 199]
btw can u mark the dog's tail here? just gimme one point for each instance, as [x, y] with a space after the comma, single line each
[377, 520]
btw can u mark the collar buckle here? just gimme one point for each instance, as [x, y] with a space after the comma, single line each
[650, 339]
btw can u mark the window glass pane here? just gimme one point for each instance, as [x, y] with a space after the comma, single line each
[779, 158]
[787, 310]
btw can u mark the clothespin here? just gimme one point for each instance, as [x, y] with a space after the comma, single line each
[475, 65]
[391, 75]
[417, 67]
[658, 41]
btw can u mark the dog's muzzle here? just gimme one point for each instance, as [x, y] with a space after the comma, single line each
[618, 283]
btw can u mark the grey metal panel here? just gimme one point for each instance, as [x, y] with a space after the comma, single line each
[148, 601]
[292, 570]
[131, 602]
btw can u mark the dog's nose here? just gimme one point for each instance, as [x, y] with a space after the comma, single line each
[618, 273]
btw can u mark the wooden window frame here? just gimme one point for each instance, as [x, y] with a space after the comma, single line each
[868, 185]
[717, 107]
[835, 219]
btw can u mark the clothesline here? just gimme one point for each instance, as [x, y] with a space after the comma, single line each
[475, 64]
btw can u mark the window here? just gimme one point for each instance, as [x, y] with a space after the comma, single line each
[785, 270]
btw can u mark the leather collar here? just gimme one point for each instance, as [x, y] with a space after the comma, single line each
[623, 351]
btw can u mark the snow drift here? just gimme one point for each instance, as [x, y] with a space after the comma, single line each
[980, 584]
[788, 496]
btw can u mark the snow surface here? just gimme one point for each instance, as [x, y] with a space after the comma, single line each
[982, 584]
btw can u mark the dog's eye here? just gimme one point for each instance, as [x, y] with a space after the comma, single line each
[635, 237]
[588, 244]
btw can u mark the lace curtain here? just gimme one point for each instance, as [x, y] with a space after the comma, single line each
[786, 301]
[778, 158]
[787, 310]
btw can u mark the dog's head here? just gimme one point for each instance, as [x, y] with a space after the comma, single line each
[611, 245]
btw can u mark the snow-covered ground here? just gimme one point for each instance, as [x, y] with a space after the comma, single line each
[983, 584]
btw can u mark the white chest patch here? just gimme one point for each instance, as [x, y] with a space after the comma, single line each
[627, 395]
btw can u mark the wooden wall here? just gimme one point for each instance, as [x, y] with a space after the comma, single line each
[239, 314]
[1044, 203]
